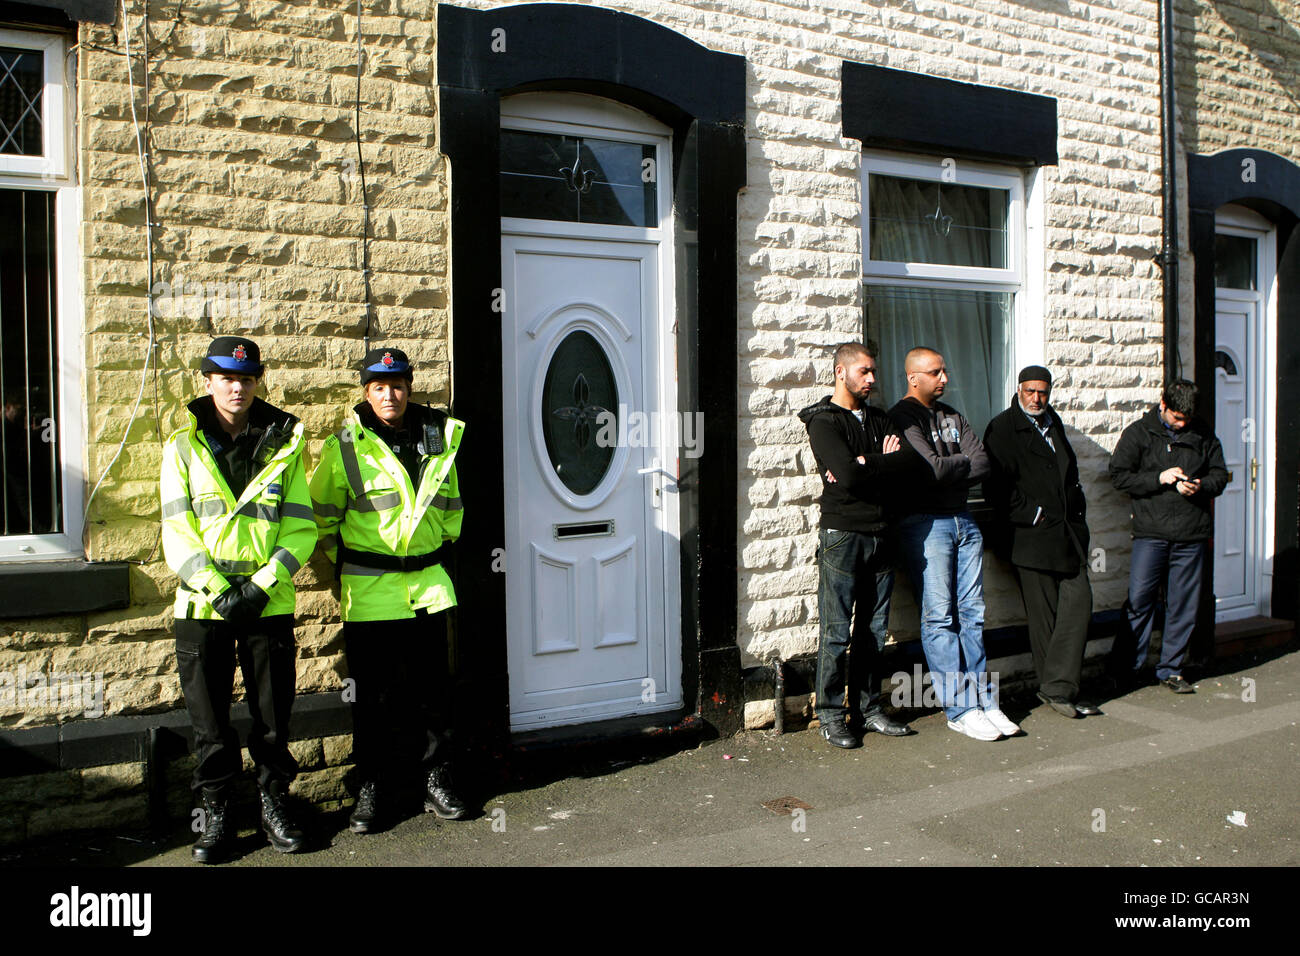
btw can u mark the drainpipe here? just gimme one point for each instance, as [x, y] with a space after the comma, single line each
[778, 695]
[1169, 235]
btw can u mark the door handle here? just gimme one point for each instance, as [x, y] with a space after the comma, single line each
[659, 473]
[1254, 472]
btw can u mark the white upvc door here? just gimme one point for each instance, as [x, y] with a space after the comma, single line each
[588, 384]
[1244, 373]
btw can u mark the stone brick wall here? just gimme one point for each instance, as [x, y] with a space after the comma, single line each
[255, 183]
[257, 195]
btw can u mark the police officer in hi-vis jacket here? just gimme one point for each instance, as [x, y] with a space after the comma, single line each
[388, 506]
[237, 523]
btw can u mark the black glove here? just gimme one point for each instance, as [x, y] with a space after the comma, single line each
[241, 603]
[254, 600]
[228, 602]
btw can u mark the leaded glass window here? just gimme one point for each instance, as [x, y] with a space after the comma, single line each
[579, 396]
[22, 80]
[577, 179]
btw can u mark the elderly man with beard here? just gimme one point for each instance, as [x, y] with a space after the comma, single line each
[1035, 492]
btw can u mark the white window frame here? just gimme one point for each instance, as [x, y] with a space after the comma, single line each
[55, 136]
[55, 172]
[1023, 275]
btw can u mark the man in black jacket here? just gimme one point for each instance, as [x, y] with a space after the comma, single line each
[944, 549]
[856, 451]
[1035, 492]
[1171, 465]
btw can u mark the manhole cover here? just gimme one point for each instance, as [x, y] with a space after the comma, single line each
[787, 805]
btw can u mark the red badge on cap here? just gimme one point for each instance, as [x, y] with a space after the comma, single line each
[240, 353]
[387, 360]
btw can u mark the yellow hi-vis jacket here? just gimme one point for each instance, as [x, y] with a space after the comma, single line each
[266, 534]
[365, 500]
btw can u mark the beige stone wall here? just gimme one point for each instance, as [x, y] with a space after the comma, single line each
[800, 249]
[258, 205]
[255, 183]
[95, 798]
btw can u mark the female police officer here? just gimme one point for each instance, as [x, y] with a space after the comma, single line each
[387, 506]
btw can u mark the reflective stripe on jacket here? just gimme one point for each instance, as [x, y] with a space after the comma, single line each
[267, 533]
[361, 492]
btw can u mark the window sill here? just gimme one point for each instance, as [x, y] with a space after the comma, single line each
[57, 588]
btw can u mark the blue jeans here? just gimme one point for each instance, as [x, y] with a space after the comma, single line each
[854, 570]
[945, 561]
[1179, 568]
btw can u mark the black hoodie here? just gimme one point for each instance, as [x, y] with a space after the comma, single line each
[856, 500]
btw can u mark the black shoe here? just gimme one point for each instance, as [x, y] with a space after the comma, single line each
[214, 843]
[1059, 704]
[365, 812]
[883, 725]
[279, 826]
[1087, 709]
[838, 735]
[1178, 685]
[440, 798]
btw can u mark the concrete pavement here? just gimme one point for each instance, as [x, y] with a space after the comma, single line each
[1153, 782]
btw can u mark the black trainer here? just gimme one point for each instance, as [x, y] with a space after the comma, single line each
[440, 798]
[285, 837]
[837, 734]
[365, 812]
[1178, 685]
[214, 843]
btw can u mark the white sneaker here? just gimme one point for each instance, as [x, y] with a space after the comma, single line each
[974, 723]
[1001, 722]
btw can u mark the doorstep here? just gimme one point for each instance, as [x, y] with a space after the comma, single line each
[1251, 634]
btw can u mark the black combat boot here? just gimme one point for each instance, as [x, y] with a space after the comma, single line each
[440, 798]
[365, 812]
[278, 824]
[214, 843]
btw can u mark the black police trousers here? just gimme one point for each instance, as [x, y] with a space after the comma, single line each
[206, 653]
[399, 694]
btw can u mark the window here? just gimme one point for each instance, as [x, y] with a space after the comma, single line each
[943, 264]
[40, 431]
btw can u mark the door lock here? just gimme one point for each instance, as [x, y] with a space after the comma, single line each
[659, 474]
[1254, 472]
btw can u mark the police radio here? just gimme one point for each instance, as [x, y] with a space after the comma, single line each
[271, 442]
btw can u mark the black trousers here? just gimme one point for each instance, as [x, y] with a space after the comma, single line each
[206, 653]
[400, 695]
[1059, 608]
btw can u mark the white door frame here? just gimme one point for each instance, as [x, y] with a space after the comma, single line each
[1237, 220]
[584, 115]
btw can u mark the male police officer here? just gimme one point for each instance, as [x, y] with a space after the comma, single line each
[237, 523]
[388, 505]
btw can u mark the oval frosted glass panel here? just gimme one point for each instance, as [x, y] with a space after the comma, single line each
[579, 387]
[577, 179]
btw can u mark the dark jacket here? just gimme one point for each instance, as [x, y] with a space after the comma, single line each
[1159, 511]
[1027, 474]
[945, 457]
[857, 500]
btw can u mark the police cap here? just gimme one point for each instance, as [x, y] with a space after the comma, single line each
[380, 362]
[230, 353]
